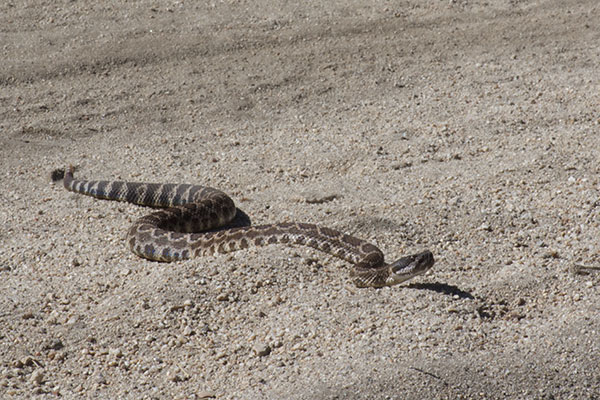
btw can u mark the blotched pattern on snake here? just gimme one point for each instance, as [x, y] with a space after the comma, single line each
[193, 222]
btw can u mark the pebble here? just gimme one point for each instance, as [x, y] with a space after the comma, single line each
[149, 338]
[100, 379]
[173, 375]
[115, 352]
[262, 350]
[37, 377]
[223, 297]
[54, 344]
[27, 361]
[28, 315]
[485, 227]
[315, 198]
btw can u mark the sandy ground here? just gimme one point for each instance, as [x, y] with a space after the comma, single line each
[469, 128]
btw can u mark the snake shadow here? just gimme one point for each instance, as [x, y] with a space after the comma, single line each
[240, 220]
[442, 288]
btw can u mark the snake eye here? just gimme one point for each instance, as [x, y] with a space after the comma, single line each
[426, 258]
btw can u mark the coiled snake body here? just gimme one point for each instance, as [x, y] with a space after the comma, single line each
[188, 226]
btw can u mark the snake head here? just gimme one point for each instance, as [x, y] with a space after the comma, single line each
[409, 267]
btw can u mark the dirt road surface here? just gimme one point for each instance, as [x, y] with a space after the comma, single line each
[470, 128]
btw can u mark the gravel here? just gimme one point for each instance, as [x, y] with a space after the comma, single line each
[469, 128]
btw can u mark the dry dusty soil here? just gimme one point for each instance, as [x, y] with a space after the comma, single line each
[471, 128]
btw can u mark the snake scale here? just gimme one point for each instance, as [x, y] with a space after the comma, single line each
[193, 221]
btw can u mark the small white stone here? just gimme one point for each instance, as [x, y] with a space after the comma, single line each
[115, 352]
[206, 395]
[262, 350]
[37, 377]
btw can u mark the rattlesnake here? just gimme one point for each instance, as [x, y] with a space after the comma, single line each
[194, 221]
